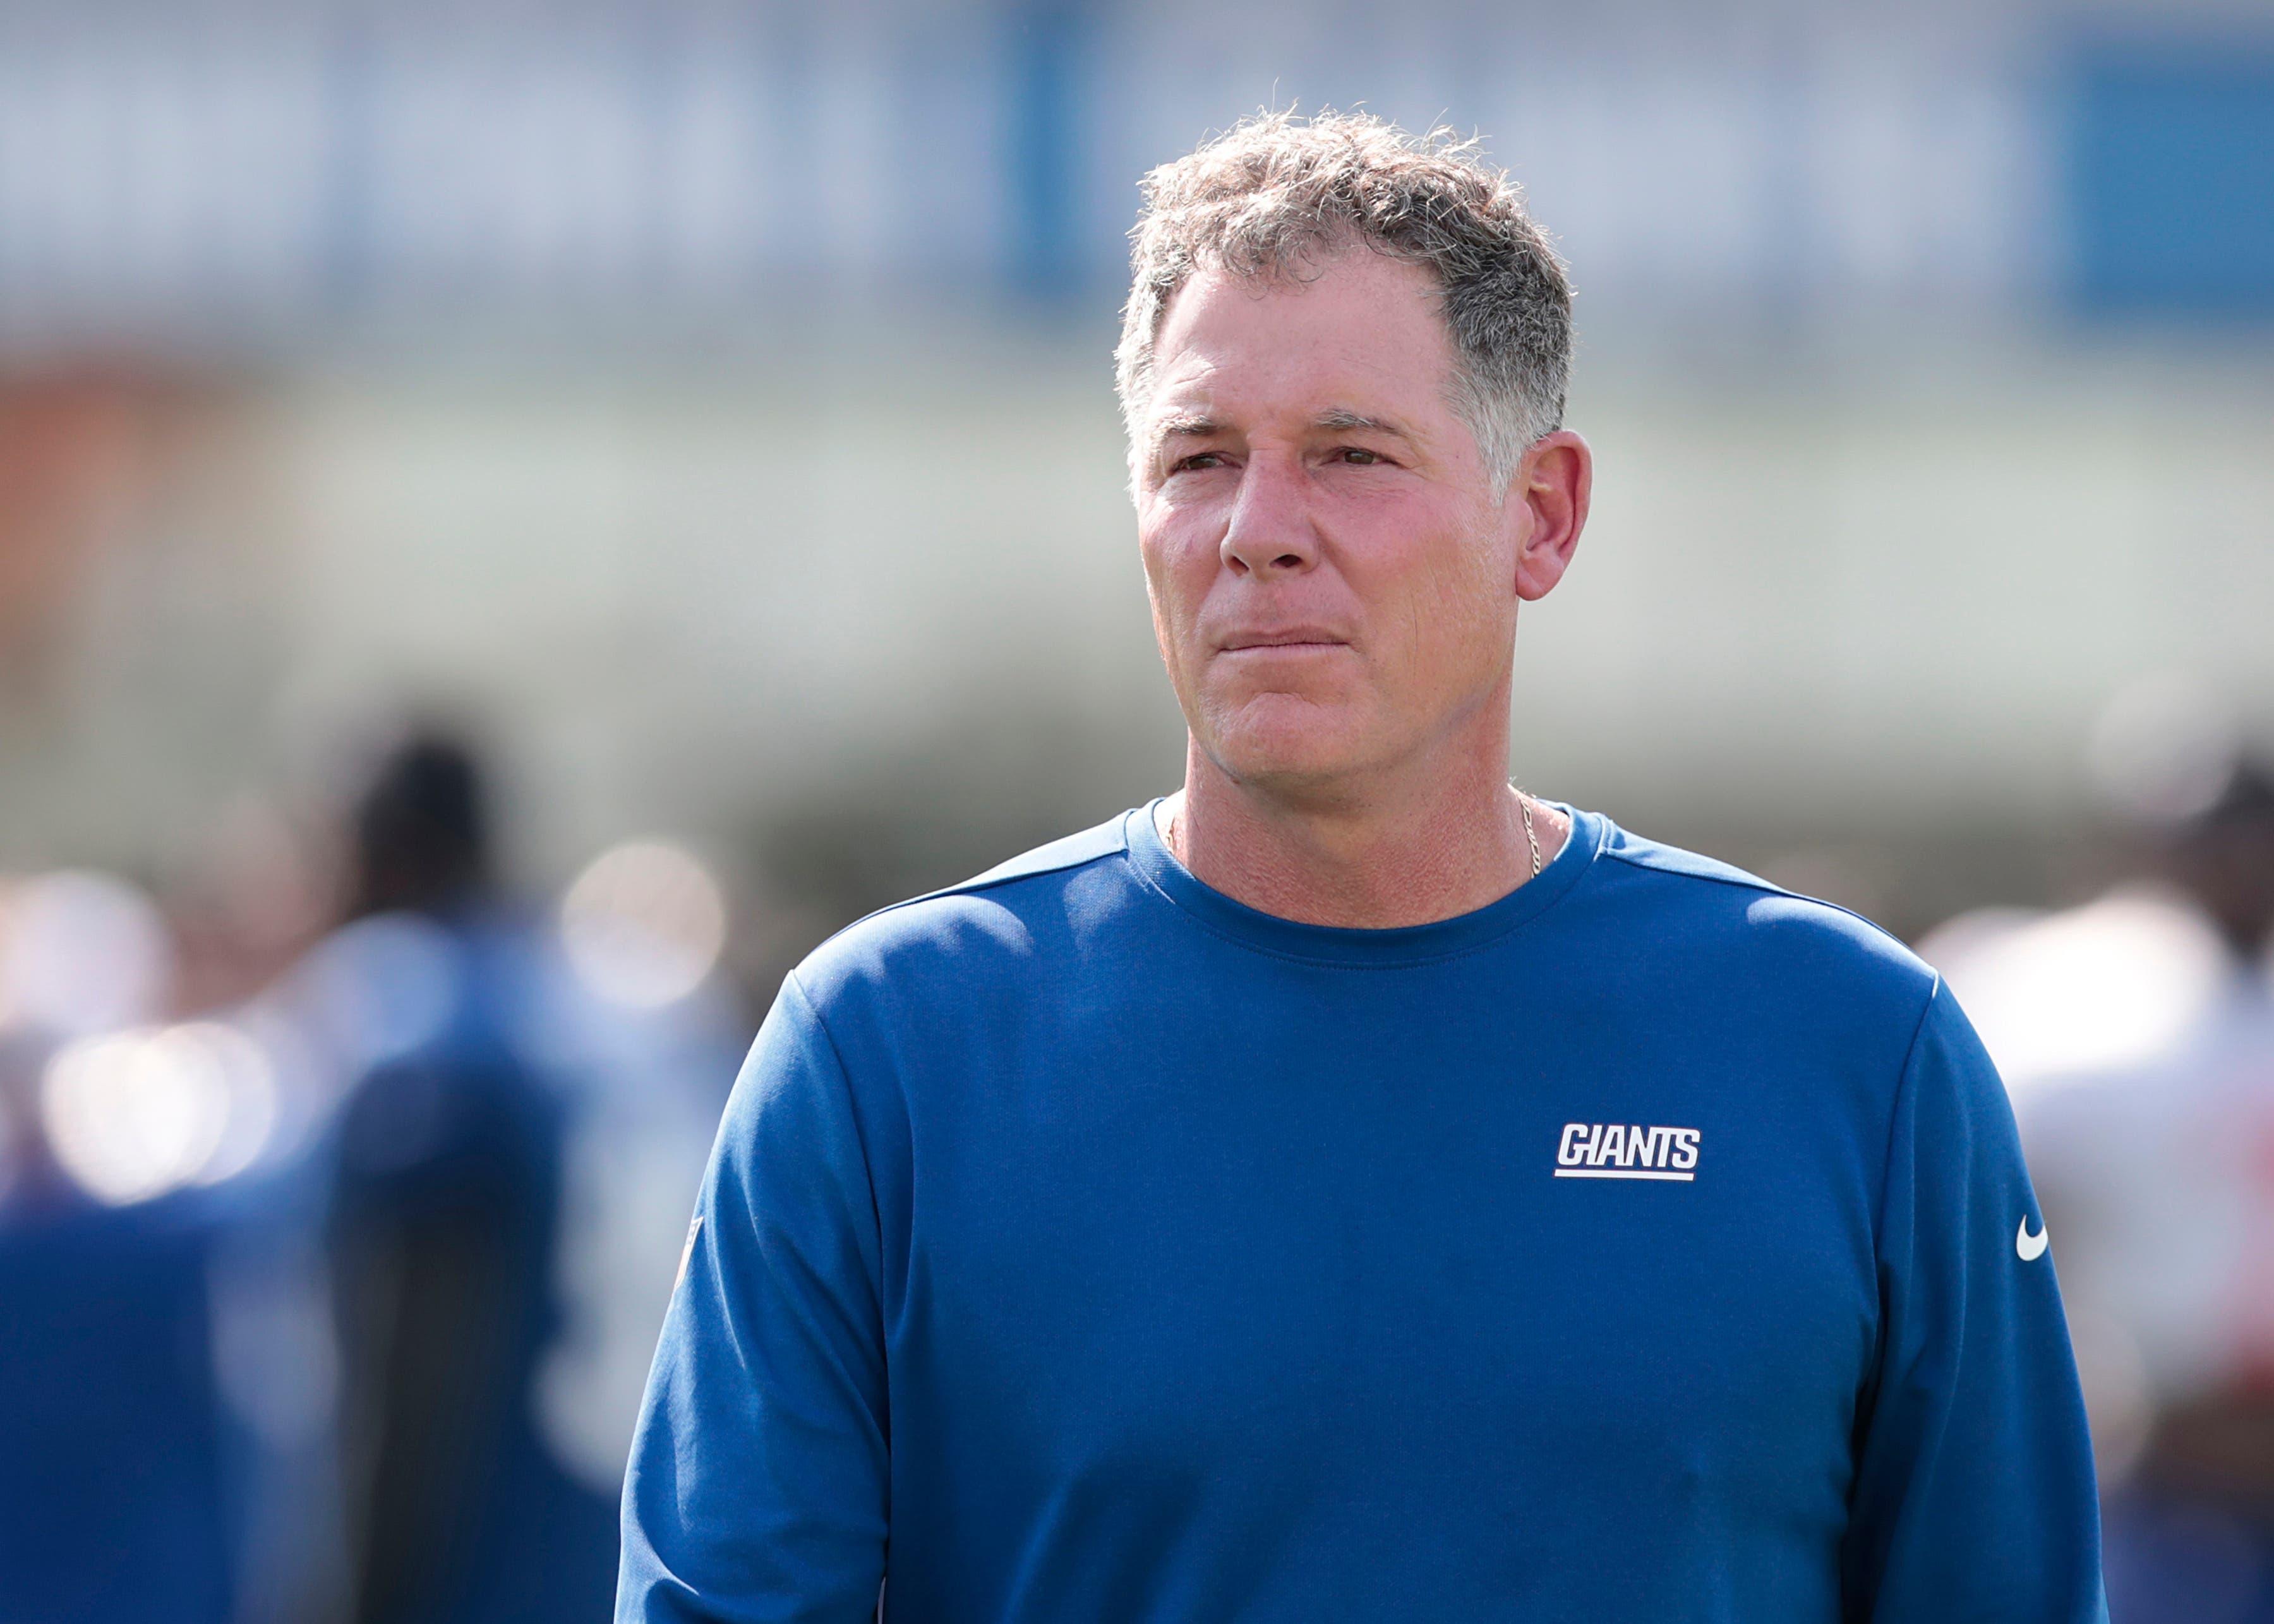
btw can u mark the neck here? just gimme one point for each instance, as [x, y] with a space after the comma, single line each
[1437, 844]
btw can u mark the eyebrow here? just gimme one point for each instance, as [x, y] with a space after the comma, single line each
[1184, 425]
[1196, 425]
[1343, 417]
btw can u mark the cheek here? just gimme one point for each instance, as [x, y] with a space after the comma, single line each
[1445, 604]
[1179, 571]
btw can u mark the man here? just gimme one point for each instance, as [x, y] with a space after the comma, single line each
[1351, 1188]
[443, 1225]
[2159, 1170]
[122, 1464]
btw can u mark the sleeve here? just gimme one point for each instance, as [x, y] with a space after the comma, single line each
[756, 1490]
[1974, 1501]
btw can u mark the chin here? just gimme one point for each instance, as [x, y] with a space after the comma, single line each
[1279, 738]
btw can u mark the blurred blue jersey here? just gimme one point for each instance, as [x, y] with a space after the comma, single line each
[443, 1222]
[1649, 1245]
[491, 1257]
[115, 1444]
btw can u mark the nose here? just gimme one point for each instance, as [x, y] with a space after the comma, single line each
[1269, 531]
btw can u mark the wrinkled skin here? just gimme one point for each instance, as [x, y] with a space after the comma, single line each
[1335, 580]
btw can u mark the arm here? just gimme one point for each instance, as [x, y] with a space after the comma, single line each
[759, 1476]
[1974, 1500]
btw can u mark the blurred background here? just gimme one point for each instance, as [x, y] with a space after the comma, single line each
[516, 519]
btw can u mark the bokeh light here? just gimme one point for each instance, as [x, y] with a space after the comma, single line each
[2063, 995]
[134, 1115]
[82, 953]
[644, 924]
[2164, 748]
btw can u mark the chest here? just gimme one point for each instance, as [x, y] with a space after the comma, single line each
[1388, 1235]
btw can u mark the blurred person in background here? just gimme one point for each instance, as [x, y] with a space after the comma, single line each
[510, 1167]
[122, 1463]
[2157, 1170]
[442, 1233]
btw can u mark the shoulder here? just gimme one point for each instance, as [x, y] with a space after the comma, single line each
[1695, 906]
[1032, 905]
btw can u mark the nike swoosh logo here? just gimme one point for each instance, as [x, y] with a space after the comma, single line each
[2029, 1247]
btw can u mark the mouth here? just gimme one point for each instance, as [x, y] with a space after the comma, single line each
[1293, 640]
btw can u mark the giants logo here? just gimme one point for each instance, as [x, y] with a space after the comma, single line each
[1610, 1150]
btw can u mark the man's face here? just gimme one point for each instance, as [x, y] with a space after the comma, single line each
[1333, 585]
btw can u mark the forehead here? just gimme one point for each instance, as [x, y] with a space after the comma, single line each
[1360, 327]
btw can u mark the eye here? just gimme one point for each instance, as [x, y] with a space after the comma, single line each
[1197, 461]
[1358, 457]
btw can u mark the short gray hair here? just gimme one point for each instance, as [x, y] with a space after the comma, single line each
[1278, 190]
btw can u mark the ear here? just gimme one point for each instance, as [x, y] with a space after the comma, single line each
[1551, 488]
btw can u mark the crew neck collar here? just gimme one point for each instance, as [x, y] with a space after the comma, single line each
[1398, 944]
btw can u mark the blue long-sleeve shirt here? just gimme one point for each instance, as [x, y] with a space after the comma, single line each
[1649, 1245]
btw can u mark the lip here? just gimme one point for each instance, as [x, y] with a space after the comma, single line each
[1293, 638]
